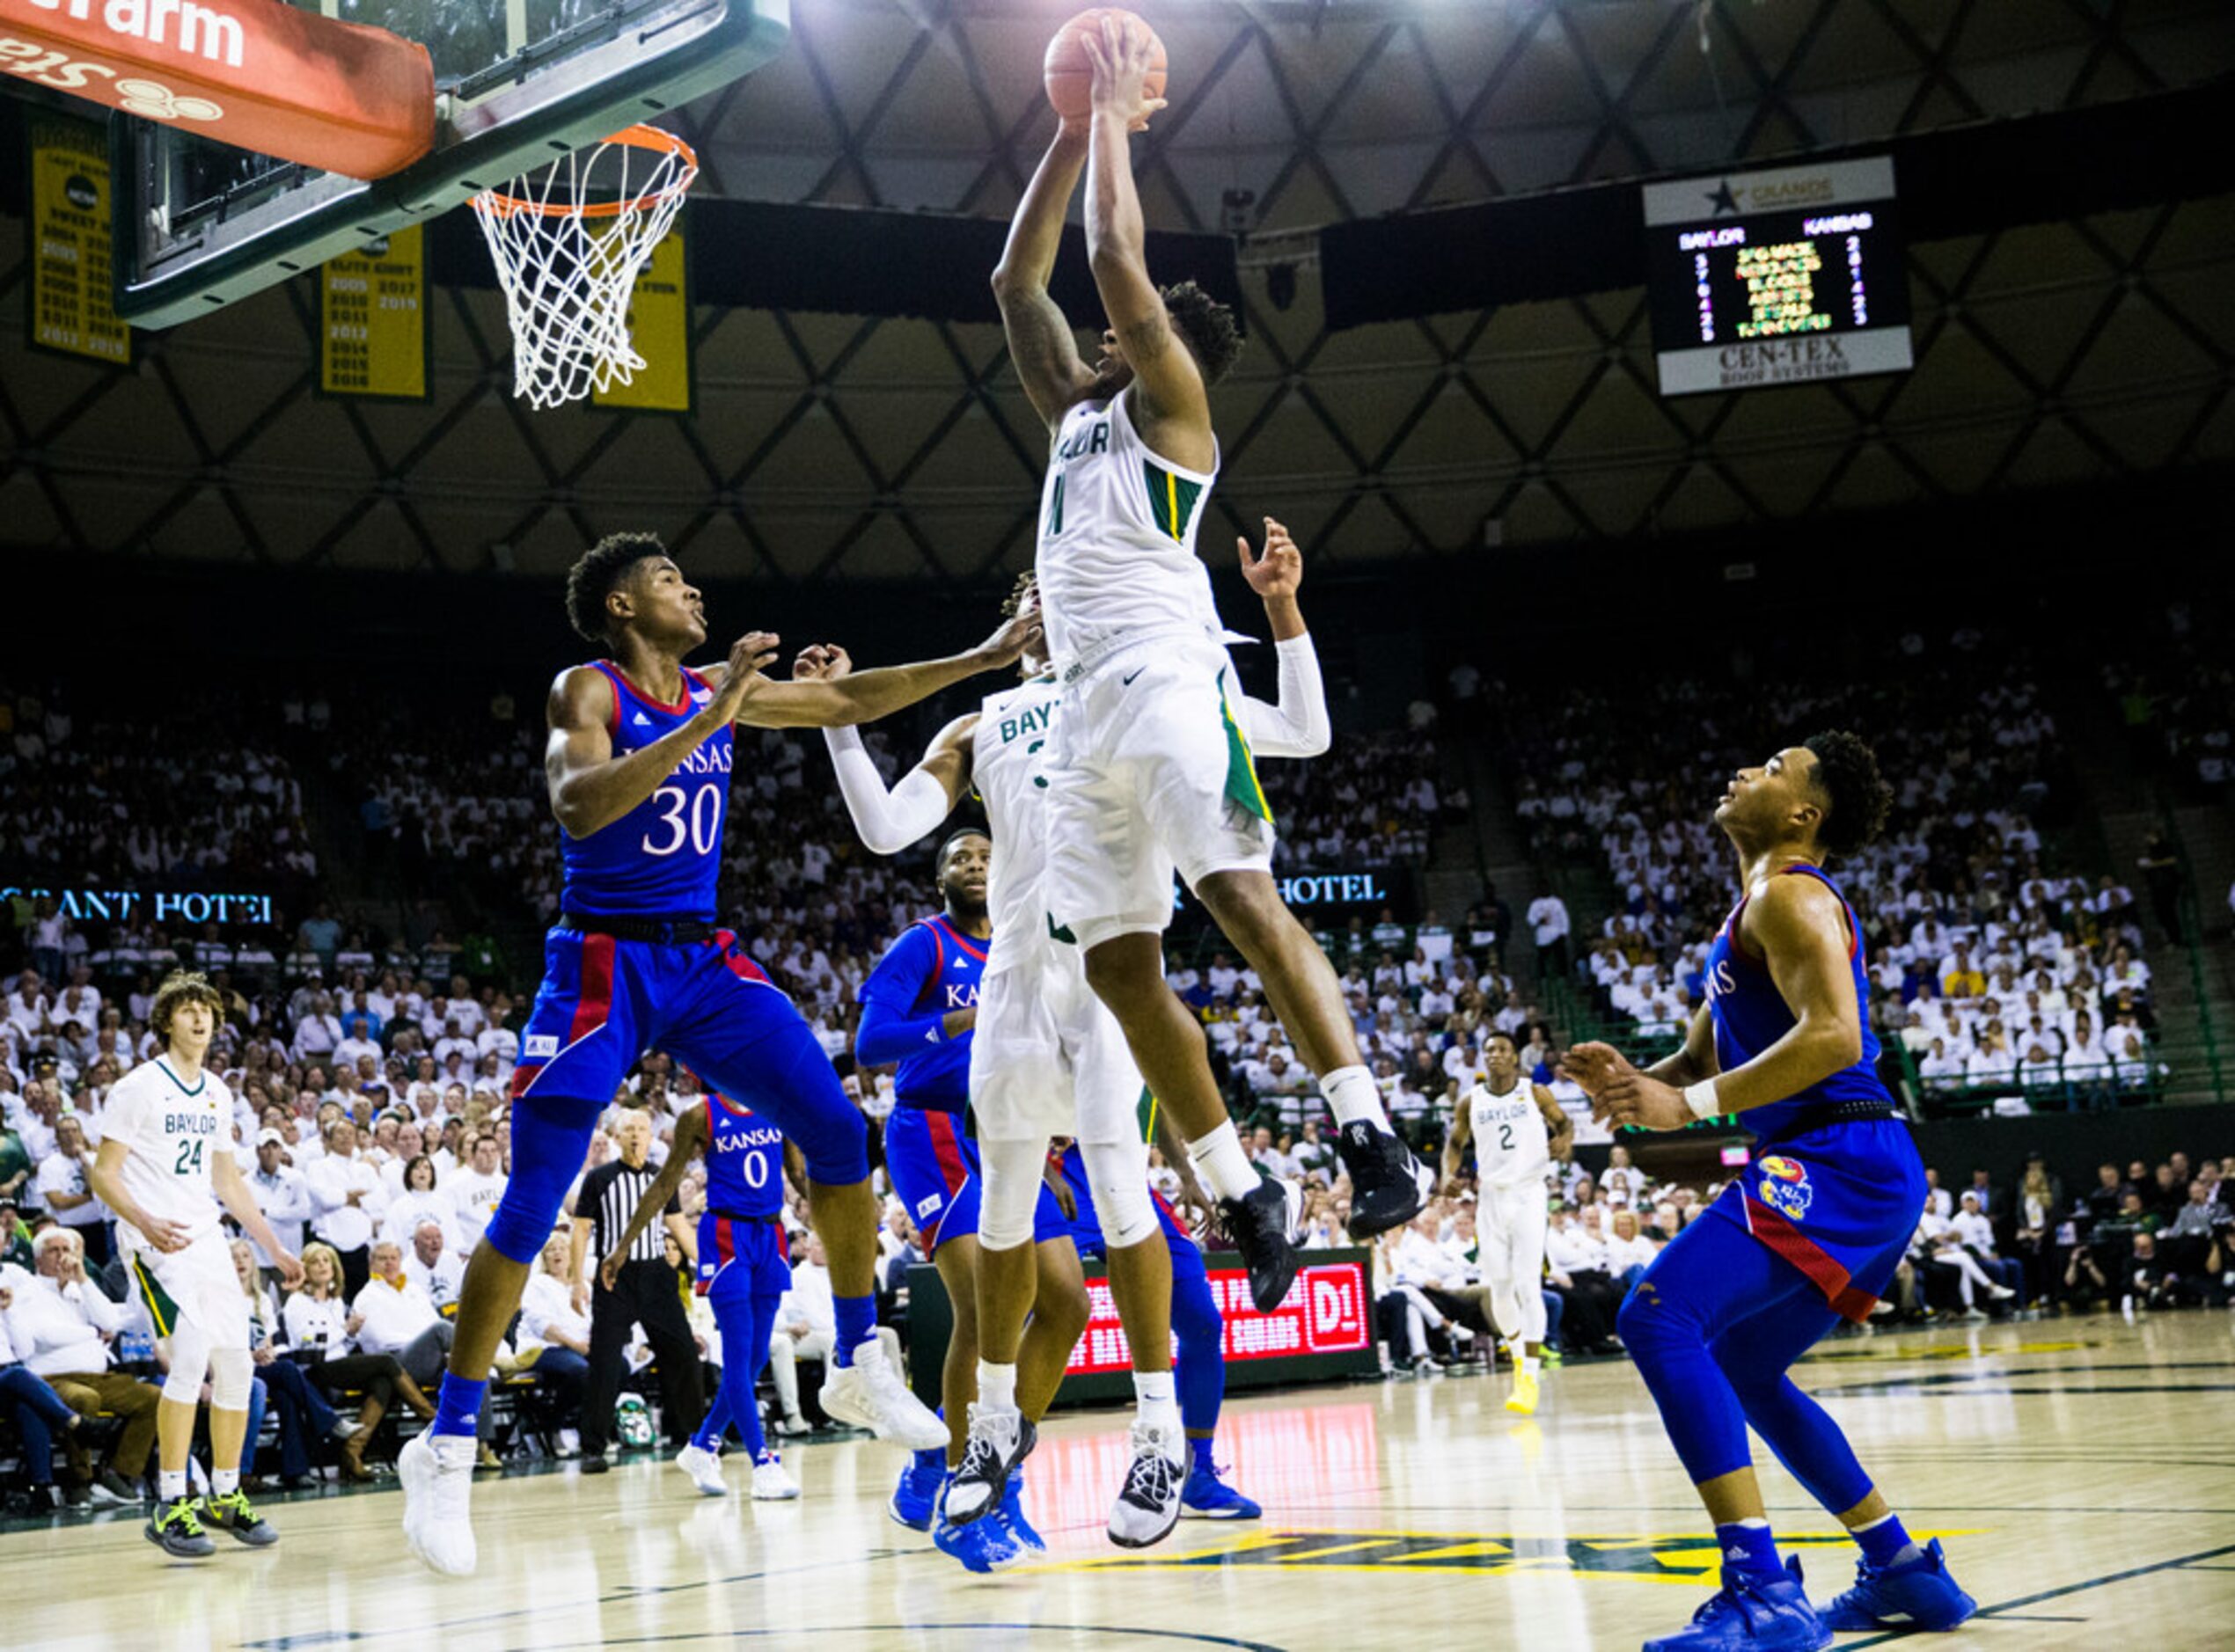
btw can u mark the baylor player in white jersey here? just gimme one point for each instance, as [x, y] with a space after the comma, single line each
[166, 1167]
[1047, 1059]
[1517, 1130]
[1152, 769]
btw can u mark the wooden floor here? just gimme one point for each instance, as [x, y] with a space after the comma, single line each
[2081, 1471]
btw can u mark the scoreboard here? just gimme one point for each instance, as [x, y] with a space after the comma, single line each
[1782, 277]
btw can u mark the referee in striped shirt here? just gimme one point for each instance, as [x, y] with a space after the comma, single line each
[646, 1295]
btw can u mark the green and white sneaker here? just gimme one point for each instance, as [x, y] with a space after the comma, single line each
[231, 1513]
[176, 1529]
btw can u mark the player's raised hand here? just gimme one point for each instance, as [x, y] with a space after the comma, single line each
[1277, 571]
[749, 656]
[1593, 1066]
[1122, 55]
[1017, 637]
[824, 662]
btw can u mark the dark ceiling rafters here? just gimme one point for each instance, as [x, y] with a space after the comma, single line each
[1564, 429]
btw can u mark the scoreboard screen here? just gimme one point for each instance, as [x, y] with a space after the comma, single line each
[1783, 277]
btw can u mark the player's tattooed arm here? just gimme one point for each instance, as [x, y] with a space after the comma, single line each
[862, 697]
[1455, 1143]
[1039, 339]
[690, 1136]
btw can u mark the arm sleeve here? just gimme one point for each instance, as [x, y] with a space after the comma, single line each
[890, 1028]
[888, 821]
[1298, 726]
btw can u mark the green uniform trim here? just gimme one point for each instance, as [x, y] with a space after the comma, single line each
[161, 1309]
[1240, 769]
[1060, 932]
[1172, 499]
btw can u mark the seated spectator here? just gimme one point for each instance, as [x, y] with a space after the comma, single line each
[433, 1268]
[38, 1412]
[321, 1331]
[305, 1418]
[554, 1338]
[61, 1326]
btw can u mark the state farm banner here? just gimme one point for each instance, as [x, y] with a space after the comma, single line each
[256, 74]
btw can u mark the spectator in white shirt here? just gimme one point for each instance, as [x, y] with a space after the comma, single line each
[346, 1199]
[419, 1200]
[283, 1194]
[475, 1191]
[64, 1191]
[395, 1316]
[1629, 1252]
[431, 1265]
[1548, 919]
[60, 1325]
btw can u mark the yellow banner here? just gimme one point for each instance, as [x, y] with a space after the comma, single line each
[372, 319]
[659, 326]
[72, 303]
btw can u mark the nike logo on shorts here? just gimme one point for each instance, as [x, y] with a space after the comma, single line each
[1127, 682]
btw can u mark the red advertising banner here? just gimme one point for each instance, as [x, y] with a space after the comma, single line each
[1327, 1311]
[256, 74]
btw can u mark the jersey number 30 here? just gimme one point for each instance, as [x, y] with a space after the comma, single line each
[700, 832]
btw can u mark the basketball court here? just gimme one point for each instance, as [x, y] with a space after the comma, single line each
[2068, 1465]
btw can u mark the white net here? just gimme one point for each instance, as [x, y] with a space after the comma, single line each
[569, 241]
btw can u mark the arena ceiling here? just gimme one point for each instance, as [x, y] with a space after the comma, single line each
[835, 447]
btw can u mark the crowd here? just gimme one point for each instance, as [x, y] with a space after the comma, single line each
[2178, 705]
[1997, 969]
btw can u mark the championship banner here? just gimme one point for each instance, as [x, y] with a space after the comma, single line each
[372, 319]
[72, 303]
[659, 329]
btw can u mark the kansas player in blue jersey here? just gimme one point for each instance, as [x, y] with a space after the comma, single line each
[743, 1269]
[1198, 1362]
[1809, 1235]
[918, 1007]
[638, 769]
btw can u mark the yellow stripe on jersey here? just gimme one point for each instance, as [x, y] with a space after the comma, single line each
[161, 1309]
[1240, 769]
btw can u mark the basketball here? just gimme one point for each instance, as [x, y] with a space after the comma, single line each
[1070, 73]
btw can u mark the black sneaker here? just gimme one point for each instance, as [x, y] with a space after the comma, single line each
[1385, 1179]
[1261, 1224]
[988, 1455]
[232, 1513]
[176, 1529]
[112, 1491]
[595, 1463]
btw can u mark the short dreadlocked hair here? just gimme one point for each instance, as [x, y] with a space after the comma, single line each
[601, 570]
[1020, 594]
[1856, 796]
[1207, 326]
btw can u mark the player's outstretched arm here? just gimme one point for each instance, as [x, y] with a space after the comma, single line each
[1299, 725]
[862, 697]
[1117, 241]
[1040, 340]
[889, 819]
[690, 1136]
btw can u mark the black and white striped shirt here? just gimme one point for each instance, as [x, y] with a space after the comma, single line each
[609, 1197]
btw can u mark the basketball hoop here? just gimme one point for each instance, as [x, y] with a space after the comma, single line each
[569, 241]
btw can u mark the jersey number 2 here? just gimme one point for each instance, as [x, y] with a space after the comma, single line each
[1505, 1138]
[189, 1159]
[701, 830]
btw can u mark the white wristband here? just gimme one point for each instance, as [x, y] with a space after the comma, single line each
[1701, 1099]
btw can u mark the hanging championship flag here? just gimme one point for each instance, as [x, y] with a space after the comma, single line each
[72, 303]
[659, 329]
[372, 319]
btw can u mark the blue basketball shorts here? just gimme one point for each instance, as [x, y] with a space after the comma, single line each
[741, 1257]
[1839, 1203]
[934, 1173]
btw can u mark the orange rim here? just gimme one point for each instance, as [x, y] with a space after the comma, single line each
[635, 137]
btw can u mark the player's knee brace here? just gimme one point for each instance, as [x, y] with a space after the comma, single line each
[1009, 1194]
[231, 1371]
[189, 1364]
[1119, 1174]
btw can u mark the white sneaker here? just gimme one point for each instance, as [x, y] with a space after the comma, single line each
[769, 1482]
[2000, 1293]
[705, 1470]
[1149, 1506]
[569, 1442]
[794, 1427]
[869, 1394]
[437, 1478]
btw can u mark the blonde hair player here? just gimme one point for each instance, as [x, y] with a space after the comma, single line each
[1047, 1059]
[1150, 768]
[1517, 1131]
[166, 1168]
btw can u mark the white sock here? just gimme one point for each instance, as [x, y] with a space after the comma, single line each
[1158, 1400]
[223, 1481]
[1352, 1094]
[1528, 1364]
[996, 1386]
[454, 1450]
[171, 1484]
[1224, 1169]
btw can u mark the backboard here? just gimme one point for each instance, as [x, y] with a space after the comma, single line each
[199, 224]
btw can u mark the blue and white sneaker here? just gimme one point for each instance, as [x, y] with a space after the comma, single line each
[1207, 1497]
[1752, 1615]
[1917, 1593]
[1013, 1511]
[987, 1544]
[915, 1500]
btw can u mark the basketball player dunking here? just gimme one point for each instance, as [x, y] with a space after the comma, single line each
[638, 768]
[1150, 768]
[1517, 1130]
[1809, 1235]
[743, 1269]
[1048, 1059]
